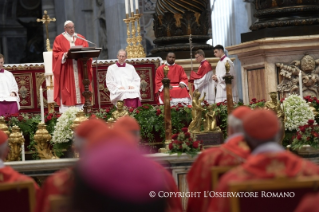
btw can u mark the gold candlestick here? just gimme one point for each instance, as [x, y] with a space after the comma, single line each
[128, 48]
[139, 48]
[133, 37]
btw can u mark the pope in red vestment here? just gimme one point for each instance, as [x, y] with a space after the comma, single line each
[268, 159]
[233, 152]
[68, 73]
[178, 82]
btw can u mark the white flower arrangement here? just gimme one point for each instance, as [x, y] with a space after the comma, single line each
[63, 132]
[297, 112]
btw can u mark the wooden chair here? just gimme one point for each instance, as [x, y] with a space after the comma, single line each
[17, 196]
[59, 203]
[217, 173]
[296, 187]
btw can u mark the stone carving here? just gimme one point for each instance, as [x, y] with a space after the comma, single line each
[290, 74]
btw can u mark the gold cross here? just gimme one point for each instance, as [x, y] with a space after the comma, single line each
[46, 20]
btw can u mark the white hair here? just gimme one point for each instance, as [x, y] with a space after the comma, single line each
[3, 148]
[67, 22]
[122, 50]
[235, 124]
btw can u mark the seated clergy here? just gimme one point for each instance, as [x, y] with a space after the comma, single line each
[232, 153]
[9, 97]
[268, 159]
[178, 82]
[7, 174]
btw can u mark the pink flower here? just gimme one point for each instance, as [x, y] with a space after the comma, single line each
[185, 129]
[187, 135]
[310, 122]
[174, 136]
[253, 100]
[137, 111]
[196, 144]
[189, 106]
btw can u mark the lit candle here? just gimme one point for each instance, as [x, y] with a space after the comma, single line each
[42, 106]
[136, 4]
[126, 6]
[300, 84]
[132, 8]
[22, 152]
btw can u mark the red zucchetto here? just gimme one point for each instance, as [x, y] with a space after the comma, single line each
[261, 124]
[240, 112]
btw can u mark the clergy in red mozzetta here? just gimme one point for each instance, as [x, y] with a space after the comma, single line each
[202, 79]
[178, 82]
[9, 97]
[7, 174]
[61, 182]
[268, 159]
[233, 152]
[123, 82]
[68, 73]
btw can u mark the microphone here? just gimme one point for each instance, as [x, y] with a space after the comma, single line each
[84, 40]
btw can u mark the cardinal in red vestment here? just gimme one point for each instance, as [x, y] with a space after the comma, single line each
[233, 152]
[7, 174]
[268, 159]
[68, 73]
[178, 82]
[61, 182]
[309, 203]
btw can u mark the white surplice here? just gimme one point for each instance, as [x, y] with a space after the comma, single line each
[117, 77]
[206, 84]
[8, 85]
[221, 85]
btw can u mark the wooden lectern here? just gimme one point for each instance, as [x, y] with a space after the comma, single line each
[84, 54]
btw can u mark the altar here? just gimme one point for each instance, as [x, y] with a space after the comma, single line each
[30, 77]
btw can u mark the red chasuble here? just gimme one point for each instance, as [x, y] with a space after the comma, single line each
[203, 69]
[64, 80]
[9, 175]
[176, 74]
[59, 183]
[263, 166]
[199, 177]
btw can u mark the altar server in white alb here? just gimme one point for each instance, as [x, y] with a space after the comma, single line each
[123, 82]
[9, 96]
[220, 72]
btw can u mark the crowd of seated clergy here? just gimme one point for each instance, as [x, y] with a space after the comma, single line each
[113, 174]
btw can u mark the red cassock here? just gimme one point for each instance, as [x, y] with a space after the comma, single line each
[262, 166]
[203, 69]
[9, 175]
[176, 74]
[64, 80]
[59, 183]
[199, 177]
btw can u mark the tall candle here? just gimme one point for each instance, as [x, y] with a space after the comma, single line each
[42, 106]
[126, 6]
[136, 4]
[132, 8]
[300, 84]
[22, 152]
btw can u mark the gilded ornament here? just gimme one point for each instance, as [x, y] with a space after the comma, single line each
[120, 112]
[210, 123]
[3, 126]
[80, 117]
[16, 139]
[42, 139]
[194, 126]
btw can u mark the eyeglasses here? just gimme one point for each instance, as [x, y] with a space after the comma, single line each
[70, 27]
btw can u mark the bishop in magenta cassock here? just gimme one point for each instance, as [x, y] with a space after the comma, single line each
[178, 82]
[9, 97]
[202, 79]
[268, 159]
[68, 73]
[232, 153]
